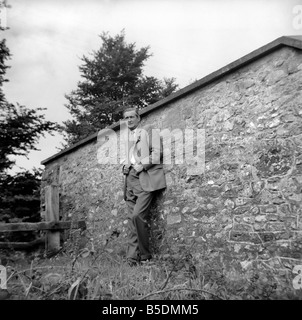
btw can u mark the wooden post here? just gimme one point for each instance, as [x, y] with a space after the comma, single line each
[52, 215]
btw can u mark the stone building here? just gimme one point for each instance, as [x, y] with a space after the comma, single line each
[241, 218]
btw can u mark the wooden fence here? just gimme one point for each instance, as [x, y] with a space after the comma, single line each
[53, 226]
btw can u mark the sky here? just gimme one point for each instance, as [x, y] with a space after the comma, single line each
[189, 39]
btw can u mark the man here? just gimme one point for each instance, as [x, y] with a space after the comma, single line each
[144, 175]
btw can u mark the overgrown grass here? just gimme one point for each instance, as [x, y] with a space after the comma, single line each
[105, 275]
[99, 271]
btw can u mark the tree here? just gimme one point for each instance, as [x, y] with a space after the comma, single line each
[113, 81]
[20, 201]
[20, 129]
[4, 55]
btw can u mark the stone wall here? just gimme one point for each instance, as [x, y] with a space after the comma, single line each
[241, 220]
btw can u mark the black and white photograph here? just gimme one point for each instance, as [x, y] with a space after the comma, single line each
[150, 153]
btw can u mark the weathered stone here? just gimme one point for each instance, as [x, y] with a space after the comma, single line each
[275, 226]
[241, 210]
[185, 210]
[275, 159]
[241, 201]
[267, 236]
[249, 219]
[114, 212]
[272, 217]
[166, 203]
[237, 247]
[268, 209]
[244, 237]
[172, 219]
[275, 76]
[242, 227]
[257, 227]
[229, 203]
[260, 218]
[255, 210]
[210, 206]
[257, 186]
[247, 199]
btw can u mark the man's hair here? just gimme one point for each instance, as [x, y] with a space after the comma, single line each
[131, 109]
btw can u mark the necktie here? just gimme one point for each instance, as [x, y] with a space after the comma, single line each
[131, 146]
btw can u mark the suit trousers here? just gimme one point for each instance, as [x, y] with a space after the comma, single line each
[138, 204]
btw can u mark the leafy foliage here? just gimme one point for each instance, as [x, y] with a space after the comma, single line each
[20, 202]
[113, 81]
[20, 130]
[4, 55]
[20, 127]
[20, 197]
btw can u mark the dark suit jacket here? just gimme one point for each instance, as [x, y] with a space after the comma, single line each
[148, 152]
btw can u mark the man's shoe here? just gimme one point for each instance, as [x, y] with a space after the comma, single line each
[132, 263]
[147, 262]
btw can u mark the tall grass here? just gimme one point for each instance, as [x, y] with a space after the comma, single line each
[105, 276]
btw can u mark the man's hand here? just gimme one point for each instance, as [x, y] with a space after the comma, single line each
[126, 169]
[138, 167]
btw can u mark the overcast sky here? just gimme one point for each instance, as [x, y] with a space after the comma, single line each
[188, 38]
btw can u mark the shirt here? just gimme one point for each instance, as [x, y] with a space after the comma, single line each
[132, 139]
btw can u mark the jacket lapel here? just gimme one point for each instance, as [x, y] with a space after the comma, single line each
[138, 135]
[137, 153]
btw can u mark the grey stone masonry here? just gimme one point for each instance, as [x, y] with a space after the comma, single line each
[241, 219]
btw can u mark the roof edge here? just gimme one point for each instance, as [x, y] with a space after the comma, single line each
[290, 41]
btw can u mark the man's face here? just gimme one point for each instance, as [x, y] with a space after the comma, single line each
[132, 119]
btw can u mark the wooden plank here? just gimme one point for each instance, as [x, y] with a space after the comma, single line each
[52, 226]
[52, 215]
[22, 245]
